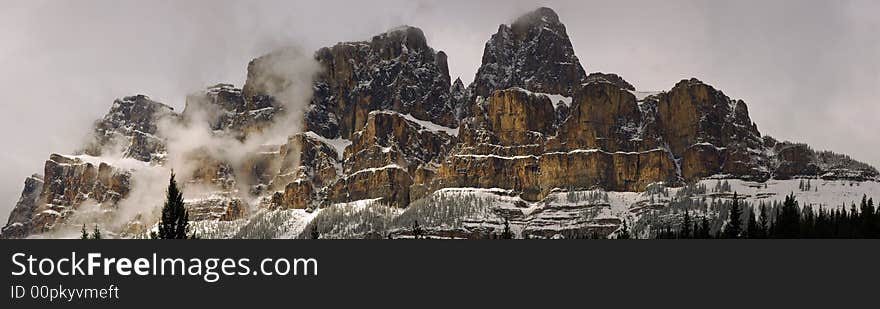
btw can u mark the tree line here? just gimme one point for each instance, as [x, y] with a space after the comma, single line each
[788, 221]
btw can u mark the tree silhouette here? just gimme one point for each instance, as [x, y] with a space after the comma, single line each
[624, 231]
[506, 234]
[314, 233]
[734, 222]
[175, 218]
[96, 234]
[85, 234]
[686, 226]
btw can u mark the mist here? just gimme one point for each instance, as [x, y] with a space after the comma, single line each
[809, 70]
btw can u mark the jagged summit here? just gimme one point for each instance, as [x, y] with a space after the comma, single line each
[539, 18]
[534, 53]
[132, 125]
[611, 78]
[405, 35]
[396, 70]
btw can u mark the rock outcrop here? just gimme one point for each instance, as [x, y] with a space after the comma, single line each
[512, 145]
[384, 156]
[534, 53]
[69, 182]
[225, 109]
[611, 78]
[131, 127]
[21, 219]
[799, 160]
[396, 70]
[308, 163]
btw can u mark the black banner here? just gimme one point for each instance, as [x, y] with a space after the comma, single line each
[415, 273]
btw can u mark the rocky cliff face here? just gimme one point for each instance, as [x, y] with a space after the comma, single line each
[385, 124]
[131, 127]
[396, 70]
[70, 182]
[21, 219]
[791, 160]
[533, 53]
[225, 109]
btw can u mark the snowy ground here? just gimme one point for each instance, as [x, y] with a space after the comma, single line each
[457, 209]
[825, 193]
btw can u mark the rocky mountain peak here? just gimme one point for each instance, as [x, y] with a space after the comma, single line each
[543, 18]
[396, 71]
[131, 126]
[457, 86]
[534, 52]
[611, 78]
[398, 40]
[136, 112]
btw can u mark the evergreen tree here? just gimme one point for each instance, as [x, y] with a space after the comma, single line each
[686, 226]
[807, 223]
[705, 233]
[754, 231]
[734, 222]
[175, 219]
[866, 218]
[85, 234]
[96, 234]
[315, 234]
[416, 230]
[854, 222]
[788, 220]
[874, 231]
[764, 222]
[506, 234]
[624, 231]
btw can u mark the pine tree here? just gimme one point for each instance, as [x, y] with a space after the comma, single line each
[686, 226]
[734, 222]
[175, 218]
[764, 222]
[788, 223]
[866, 218]
[416, 230]
[705, 233]
[754, 231]
[506, 234]
[315, 234]
[874, 231]
[96, 234]
[854, 222]
[85, 234]
[624, 231]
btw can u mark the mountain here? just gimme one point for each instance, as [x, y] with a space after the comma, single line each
[387, 139]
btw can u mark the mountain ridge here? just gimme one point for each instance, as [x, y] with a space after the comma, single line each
[386, 123]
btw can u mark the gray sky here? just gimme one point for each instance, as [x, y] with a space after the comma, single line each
[809, 70]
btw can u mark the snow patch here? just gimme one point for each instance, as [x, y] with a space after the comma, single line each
[339, 144]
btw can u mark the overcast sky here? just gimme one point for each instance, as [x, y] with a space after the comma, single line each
[809, 70]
